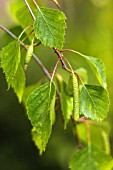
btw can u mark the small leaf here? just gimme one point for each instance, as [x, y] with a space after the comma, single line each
[50, 27]
[10, 59]
[18, 82]
[97, 67]
[94, 102]
[40, 110]
[91, 158]
[66, 104]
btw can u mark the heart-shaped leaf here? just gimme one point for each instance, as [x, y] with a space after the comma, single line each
[94, 102]
[91, 158]
[40, 110]
[50, 27]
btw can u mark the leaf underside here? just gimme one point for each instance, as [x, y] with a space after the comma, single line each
[97, 67]
[50, 27]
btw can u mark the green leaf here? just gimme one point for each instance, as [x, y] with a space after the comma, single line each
[94, 102]
[16, 5]
[69, 87]
[24, 17]
[37, 140]
[58, 81]
[10, 59]
[101, 130]
[50, 27]
[66, 104]
[28, 90]
[91, 158]
[18, 82]
[40, 110]
[97, 67]
[82, 72]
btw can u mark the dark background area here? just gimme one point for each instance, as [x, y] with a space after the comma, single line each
[90, 31]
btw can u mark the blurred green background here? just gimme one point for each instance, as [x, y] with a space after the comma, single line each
[90, 31]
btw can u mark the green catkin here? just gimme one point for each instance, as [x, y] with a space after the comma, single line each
[28, 56]
[75, 97]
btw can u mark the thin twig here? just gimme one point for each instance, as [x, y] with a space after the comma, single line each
[24, 31]
[73, 51]
[27, 35]
[30, 10]
[71, 70]
[36, 44]
[34, 56]
[55, 69]
[60, 56]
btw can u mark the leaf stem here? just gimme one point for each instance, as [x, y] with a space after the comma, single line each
[73, 51]
[30, 10]
[24, 31]
[27, 35]
[33, 55]
[55, 69]
[36, 44]
[60, 56]
[71, 70]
